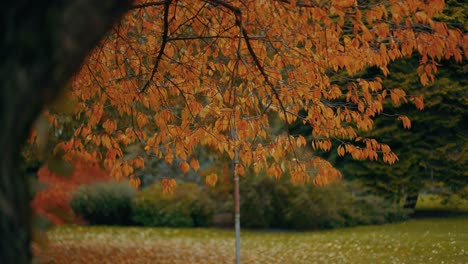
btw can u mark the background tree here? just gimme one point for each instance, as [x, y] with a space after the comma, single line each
[431, 152]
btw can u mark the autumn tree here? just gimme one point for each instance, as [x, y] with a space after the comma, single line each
[173, 75]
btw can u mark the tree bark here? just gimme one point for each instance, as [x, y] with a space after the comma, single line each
[43, 43]
[410, 202]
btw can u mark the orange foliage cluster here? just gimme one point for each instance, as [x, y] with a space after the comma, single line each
[173, 75]
[53, 202]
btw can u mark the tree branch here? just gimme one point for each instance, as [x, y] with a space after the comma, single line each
[165, 35]
[148, 4]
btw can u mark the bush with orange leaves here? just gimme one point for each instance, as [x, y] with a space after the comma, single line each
[53, 202]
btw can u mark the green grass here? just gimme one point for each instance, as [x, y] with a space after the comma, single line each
[436, 202]
[414, 241]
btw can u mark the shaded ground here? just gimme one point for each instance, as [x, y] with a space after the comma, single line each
[415, 241]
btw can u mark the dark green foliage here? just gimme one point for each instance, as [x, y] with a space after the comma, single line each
[188, 206]
[263, 202]
[104, 203]
[372, 209]
[431, 153]
[270, 203]
[335, 206]
[316, 207]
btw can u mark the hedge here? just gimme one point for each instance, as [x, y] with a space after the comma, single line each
[104, 203]
[188, 206]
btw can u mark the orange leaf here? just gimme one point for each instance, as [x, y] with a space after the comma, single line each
[194, 164]
[184, 166]
[341, 150]
[406, 121]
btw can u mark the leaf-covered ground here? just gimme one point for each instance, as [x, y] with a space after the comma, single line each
[415, 241]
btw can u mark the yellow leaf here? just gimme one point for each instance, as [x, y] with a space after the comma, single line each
[341, 150]
[301, 141]
[105, 140]
[211, 179]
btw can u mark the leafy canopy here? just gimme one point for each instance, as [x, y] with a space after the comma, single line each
[173, 75]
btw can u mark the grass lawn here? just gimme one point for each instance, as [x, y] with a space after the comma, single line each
[435, 202]
[414, 241]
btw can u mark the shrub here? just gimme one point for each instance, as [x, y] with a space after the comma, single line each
[104, 203]
[371, 209]
[316, 207]
[271, 203]
[263, 202]
[335, 206]
[188, 206]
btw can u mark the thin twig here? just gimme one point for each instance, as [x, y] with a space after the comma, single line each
[148, 4]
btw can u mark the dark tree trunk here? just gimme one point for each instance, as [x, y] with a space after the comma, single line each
[43, 43]
[410, 202]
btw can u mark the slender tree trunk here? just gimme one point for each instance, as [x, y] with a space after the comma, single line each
[410, 202]
[236, 197]
[43, 44]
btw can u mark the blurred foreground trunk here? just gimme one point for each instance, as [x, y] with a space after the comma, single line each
[43, 44]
